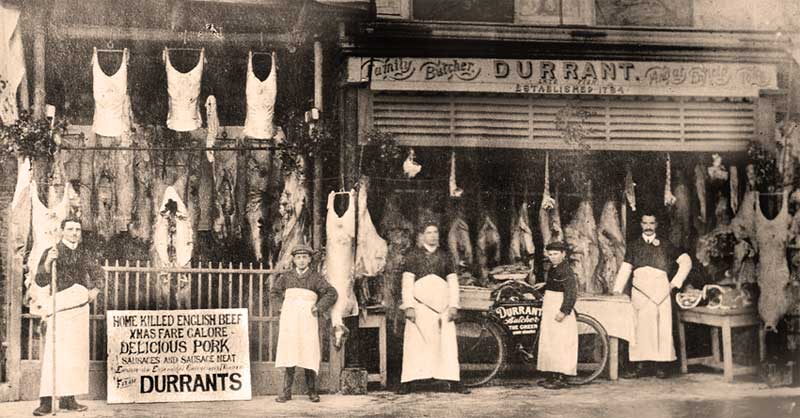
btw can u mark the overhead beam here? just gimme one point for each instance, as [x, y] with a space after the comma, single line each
[114, 33]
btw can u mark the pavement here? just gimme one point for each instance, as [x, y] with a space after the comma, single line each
[693, 395]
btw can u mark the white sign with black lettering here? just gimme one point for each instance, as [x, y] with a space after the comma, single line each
[178, 356]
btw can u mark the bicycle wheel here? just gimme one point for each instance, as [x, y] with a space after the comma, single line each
[592, 350]
[481, 350]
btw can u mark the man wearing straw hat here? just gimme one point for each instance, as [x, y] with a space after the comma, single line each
[305, 294]
[78, 277]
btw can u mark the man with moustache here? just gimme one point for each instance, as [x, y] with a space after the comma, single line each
[650, 258]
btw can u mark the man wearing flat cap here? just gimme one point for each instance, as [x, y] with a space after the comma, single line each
[305, 293]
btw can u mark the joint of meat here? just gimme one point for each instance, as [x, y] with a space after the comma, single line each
[213, 126]
[455, 191]
[630, 188]
[669, 198]
[411, 167]
[700, 188]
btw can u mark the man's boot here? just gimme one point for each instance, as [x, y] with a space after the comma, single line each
[45, 407]
[70, 404]
[288, 381]
[311, 382]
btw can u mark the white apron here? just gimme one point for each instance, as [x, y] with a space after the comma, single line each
[651, 302]
[430, 347]
[558, 341]
[72, 357]
[298, 338]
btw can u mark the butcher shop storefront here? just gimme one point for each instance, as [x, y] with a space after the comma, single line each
[509, 154]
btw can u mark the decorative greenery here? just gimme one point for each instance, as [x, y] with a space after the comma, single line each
[303, 142]
[29, 137]
[380, 153]
[768, 177]
[571, 122]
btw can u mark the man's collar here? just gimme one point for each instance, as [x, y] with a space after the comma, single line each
[70, 245]
[301, 272]
[429, 248]
[649, 239]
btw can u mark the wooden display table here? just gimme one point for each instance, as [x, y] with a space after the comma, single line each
[726, 319]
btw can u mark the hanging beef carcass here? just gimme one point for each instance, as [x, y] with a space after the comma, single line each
[550, 221]
[680, 213]
[212, 120]
[371, 249]
[19, 224]
[340, 232]
[261, 169]
[224, 223]
[399, 232]
[744, 229]
[734, 187]
[488, 245]
[549, 218]
[521, 244]
[458, 241]
[581, 236]
[293, 216]
[700, 179]
[669, 197]
[773, 271]
[611, 242]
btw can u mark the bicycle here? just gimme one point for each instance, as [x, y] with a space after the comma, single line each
[513, 321]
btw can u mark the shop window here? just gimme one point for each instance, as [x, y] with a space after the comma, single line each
[495, 11]
[554, 12]
[674, 13]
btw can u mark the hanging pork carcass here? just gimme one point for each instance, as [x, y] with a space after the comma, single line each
[458, 241]
[340, 233]
[773, 271]
[680, 214]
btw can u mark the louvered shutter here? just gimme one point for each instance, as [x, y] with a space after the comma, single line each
[605, 123]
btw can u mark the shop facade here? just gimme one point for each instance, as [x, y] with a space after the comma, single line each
[503, 113]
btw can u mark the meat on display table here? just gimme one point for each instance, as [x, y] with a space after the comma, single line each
[725, 319]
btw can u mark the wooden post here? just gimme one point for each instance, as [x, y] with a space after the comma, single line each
[316, 205]
[39, 44]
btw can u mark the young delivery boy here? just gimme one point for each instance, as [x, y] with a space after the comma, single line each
[558, 338]
[305, 295]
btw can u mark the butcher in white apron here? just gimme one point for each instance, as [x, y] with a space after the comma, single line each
[305, 294]
[77, 272]
[558, 335]
[650, 258]
[430, 301]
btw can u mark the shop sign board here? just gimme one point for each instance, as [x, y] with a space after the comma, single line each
[520, 319]
[178, 356]
[569, 77]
